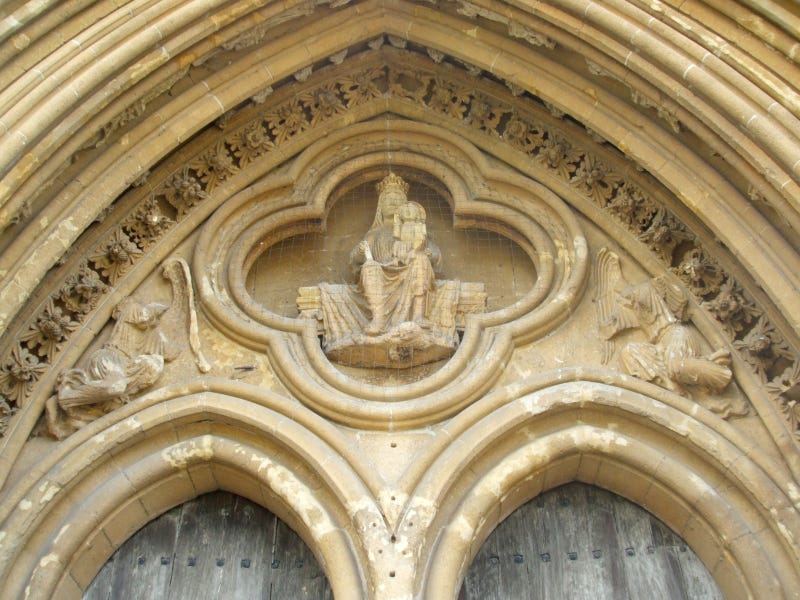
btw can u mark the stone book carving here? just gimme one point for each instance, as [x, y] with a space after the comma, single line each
[144, 337]
[671, 356]
[398, 314]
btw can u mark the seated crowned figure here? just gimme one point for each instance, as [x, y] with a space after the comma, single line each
[397, 290]
[397, 314]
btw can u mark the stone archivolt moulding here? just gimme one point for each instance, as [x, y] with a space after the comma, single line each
[482, 197]
[503, 449]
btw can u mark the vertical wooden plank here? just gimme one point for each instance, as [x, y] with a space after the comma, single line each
[136, 569]
[195, 572]
[695, 578]
[635, 539]
[603, 563]
[215, 546]
[586, 543]
[246, 538]
[548, 573]
[293, 571]
[254, 558]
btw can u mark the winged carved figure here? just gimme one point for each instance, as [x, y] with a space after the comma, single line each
[145, 336]
[671, 357]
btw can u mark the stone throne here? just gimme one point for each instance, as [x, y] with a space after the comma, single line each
[397, 312]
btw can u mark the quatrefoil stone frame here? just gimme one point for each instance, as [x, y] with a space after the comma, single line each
[483, 195]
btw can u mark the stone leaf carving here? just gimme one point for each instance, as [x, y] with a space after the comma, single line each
[21, 370]
[398, 314]
[671, 356]
[144, 337]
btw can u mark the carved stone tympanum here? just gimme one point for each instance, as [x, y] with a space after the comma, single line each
[398, 314]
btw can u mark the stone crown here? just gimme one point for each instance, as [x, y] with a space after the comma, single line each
[392, 182]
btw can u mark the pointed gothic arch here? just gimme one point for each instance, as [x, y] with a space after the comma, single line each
[136, 464]
[592, 430]
[665, 132]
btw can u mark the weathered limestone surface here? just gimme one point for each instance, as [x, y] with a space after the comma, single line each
[601, 219]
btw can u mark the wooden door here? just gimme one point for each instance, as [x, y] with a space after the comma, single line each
[216, 546]
[579, 542]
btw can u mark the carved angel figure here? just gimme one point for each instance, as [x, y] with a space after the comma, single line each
[144, 337]
[671, 356]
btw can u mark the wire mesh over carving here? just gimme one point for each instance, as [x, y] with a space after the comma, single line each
[476, 105]
[398, 314]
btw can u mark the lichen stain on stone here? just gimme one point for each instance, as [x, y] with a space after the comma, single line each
[604, 437]
[531, 406]
[794, 493]
[496, 482]
[422, 510]
[25, 504]
[363, 504]
[180, 455]
[264, 462]
[49, 559]
[521, 371]
[283, 482]
[229, 358]
[786, 532]
[48, 491]
[609, 437]
[463, 528]
[401, 544]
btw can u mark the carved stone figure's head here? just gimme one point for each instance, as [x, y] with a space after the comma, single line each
[392, 194]
[409, 224]
[411, 212]
[140, 315]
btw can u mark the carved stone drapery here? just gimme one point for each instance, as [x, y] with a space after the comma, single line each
[670, 356]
